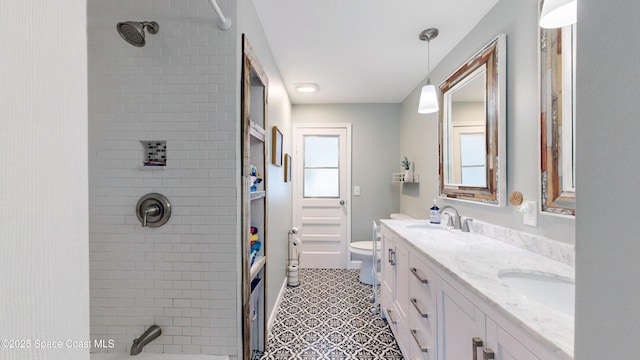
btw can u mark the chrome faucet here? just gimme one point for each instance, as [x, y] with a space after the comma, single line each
[455, 220]
[148, 336]
[465, 224]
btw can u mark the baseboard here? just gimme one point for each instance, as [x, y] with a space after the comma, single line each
[276, 306]
[355, 264]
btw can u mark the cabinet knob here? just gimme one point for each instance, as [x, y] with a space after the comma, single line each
[422, 280]
[488, 354]
[423, 314]
[415, 338]
[392, 257]
[390, 317]
[476, 342]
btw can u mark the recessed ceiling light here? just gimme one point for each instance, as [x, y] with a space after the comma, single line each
[307, 88]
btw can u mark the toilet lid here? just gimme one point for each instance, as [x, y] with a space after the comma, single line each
[362, 247]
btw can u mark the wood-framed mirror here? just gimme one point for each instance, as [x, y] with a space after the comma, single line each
[473, 128]
[557, 120]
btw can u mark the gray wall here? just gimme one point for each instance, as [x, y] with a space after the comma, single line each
[518, 20]
[279, 114]
[608, 250]
[375, 156]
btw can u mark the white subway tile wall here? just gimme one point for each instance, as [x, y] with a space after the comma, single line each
[180, 87]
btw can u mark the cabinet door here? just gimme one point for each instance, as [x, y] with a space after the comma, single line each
[460, 321]
[402, 278]
[504, 345]
[388, 268]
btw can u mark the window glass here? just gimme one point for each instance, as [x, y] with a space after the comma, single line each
[472, 159]
[321, 151]
[321, 183]
[321, 166]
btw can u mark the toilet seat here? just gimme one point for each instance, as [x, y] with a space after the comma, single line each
[364, 250]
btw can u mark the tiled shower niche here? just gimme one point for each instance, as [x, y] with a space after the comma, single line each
[154, 153]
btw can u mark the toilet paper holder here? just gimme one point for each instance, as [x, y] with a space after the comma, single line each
[153, 210]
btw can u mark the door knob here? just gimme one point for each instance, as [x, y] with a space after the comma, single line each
[341, 202]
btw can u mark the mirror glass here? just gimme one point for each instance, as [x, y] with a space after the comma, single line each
[472, 128]
[464, 137]
[557, 119]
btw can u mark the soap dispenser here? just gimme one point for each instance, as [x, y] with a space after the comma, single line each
[434, 213]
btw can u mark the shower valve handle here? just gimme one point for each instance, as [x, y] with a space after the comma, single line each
[151, 210]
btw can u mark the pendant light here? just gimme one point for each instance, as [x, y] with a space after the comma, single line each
[558, 13]
[428, 96]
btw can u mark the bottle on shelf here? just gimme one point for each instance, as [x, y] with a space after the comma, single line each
[434, 213]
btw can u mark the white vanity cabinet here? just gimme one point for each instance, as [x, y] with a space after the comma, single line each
[468, 333]
[460, 322]
[507, 347]
[435, 316]
[422, 314]
[395, 287]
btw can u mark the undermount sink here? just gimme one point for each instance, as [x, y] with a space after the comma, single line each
[551, 290]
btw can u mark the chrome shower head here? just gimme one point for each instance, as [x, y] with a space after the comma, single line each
[133, 31]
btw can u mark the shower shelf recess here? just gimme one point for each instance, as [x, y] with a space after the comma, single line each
[146, 167]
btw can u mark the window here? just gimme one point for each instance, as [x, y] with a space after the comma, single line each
[321, 167]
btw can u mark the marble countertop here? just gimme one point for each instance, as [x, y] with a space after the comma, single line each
[475, 261]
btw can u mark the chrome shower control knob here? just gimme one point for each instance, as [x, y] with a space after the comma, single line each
[153, 210]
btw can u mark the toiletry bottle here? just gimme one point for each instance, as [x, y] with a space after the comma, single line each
[434, 213]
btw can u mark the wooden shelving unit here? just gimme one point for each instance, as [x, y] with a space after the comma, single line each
[254, 203]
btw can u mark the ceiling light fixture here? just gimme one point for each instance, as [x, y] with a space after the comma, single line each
[558, 13]
[428, 96]
[307, 88]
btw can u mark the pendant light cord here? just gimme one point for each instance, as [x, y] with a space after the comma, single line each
[428, 61]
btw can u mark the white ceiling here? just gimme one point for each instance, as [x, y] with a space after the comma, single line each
[362, 51]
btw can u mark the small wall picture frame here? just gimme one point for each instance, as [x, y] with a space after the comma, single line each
[276, 146]
[287, 168]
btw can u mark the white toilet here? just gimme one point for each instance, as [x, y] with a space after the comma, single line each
[363, 251]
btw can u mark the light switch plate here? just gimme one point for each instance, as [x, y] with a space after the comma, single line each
[356, 191]
[530, 217]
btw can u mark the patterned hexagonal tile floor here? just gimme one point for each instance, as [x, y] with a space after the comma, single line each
[329, 317]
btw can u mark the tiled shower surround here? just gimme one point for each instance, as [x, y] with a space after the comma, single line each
[180, 87]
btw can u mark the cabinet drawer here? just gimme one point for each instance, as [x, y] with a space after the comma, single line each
[420, 340]
[386, 303]
[399, 328]
[423, 313]
[390, 311]
[422, 277]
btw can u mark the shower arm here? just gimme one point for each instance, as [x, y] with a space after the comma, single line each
[225, 22]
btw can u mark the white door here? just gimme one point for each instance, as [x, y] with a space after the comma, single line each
[322, 196]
